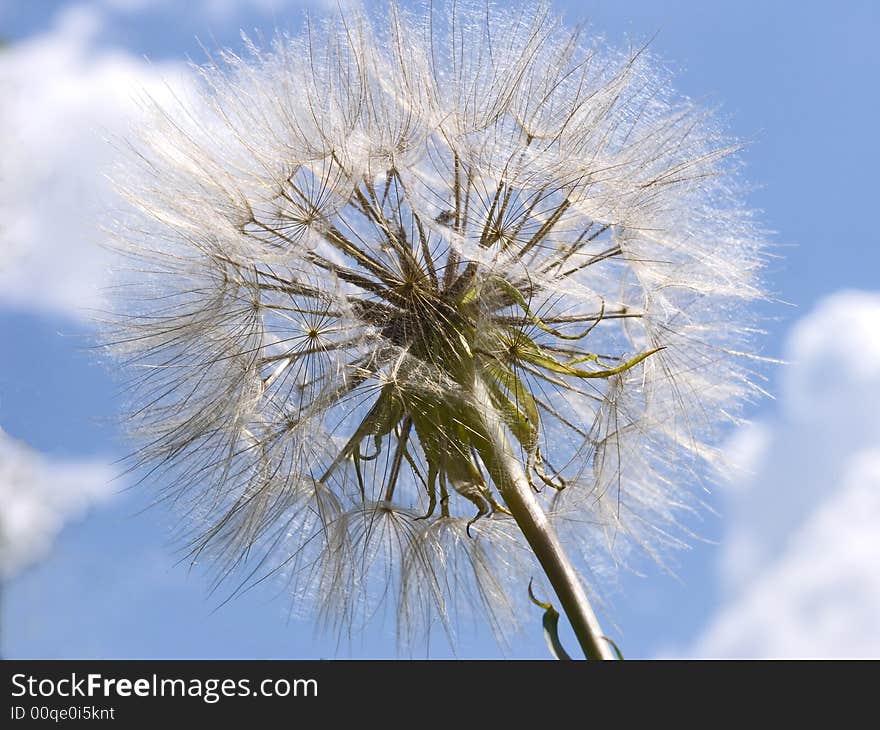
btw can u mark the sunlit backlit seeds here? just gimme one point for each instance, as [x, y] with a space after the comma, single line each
[393, 269]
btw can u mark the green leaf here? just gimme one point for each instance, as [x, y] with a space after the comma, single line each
[614, 646]
[520, 413]
[520, 300]
[551, 627]
[532, 353]
[386, 412]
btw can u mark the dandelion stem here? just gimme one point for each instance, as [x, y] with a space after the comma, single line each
[508, 474]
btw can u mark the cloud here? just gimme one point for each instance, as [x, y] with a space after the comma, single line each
[38, 496]
[800, 563]
[64, 98]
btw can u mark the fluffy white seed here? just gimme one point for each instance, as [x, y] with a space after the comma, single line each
[342, 228]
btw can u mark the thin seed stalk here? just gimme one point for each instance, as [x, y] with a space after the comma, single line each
[509, 476]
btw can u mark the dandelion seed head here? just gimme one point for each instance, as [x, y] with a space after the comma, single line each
[342, 229]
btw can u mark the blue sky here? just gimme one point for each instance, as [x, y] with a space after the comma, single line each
[798, 81]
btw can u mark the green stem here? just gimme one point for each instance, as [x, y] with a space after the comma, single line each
[508, 474]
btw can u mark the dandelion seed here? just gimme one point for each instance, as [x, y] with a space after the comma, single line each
[425, 305]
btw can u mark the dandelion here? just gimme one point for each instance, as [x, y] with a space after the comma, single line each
[425, 306]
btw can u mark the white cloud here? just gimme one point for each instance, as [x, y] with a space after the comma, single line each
[38, 496]
[800, 563]
[63, 100]
[821, 596]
